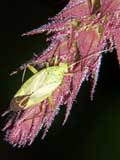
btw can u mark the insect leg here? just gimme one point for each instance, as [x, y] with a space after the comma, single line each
[55, 60]
[32, 69]
[47, 64]
[51, 101]
[23, 75]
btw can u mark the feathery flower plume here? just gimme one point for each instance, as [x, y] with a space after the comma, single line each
[82, 31]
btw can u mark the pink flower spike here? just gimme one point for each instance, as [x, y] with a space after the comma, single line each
[81, 33]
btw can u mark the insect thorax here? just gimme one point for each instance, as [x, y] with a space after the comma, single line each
[64, 67]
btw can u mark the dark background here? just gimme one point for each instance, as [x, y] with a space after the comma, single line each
[92, 131]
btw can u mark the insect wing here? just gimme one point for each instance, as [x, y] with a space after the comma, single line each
[42, 93]
[52, 81]
[41, 85]
[32, 84]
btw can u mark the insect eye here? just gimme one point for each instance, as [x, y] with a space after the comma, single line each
[18, 99]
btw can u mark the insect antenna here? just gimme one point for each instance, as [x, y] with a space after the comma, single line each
[91, 55]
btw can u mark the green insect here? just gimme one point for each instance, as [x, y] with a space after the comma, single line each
[39, 87]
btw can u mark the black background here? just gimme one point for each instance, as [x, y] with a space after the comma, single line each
[92, 131]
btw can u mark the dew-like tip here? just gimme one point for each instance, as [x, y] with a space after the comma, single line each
[23, 34]
[5, 113]
[13, 73]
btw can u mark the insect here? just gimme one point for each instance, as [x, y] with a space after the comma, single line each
[39, 87]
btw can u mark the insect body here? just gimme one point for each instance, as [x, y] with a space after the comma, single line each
[39, 87]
